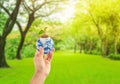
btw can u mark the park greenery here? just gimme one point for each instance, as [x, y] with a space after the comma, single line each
[94, 28]
[97, 26]
[91, 33]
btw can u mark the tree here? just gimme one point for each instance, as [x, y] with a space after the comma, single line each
[106, 22]
[35, 10]
[6, 30]
[82, 31]
[104, 18]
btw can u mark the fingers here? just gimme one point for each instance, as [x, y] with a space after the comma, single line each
[53, 50]
[49, 56]
[39, 53]
[36, 53]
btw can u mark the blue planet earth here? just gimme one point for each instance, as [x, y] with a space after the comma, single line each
[48, 44]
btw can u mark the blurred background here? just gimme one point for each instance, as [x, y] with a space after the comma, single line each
[86, 34]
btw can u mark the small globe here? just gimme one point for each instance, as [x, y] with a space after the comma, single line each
[46, 43]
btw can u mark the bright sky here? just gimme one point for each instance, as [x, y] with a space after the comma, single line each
[66, 13]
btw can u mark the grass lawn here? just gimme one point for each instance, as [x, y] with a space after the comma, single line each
[67, 68]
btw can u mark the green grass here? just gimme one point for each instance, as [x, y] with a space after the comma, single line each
[67, 68]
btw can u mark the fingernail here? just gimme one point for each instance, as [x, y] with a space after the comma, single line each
[40, 47]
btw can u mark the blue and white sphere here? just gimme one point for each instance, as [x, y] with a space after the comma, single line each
[46, 43]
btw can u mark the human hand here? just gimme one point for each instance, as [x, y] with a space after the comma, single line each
[42, 66]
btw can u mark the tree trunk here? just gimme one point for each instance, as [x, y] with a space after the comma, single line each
[7, 29]
[104, 48]
[23, 35]
[115, 47]
[90, 46]
[18, 55]
[3, 62]
[79, 48]
[75, 48]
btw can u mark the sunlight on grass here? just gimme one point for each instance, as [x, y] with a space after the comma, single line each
[67, 68]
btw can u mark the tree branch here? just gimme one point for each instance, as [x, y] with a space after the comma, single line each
[40, 6]
[48, 14]
[20, 27]
[18, 24]
[27, 7]
[5, 10]
[97, 25]
[44, 3]
[33, 3]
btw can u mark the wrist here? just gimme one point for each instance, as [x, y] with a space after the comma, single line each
[38, 78]
[42, 72]
[41, 75]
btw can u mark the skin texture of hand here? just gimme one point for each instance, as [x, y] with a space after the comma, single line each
[42, 66]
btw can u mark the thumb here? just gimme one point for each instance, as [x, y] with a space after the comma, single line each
[49, 56]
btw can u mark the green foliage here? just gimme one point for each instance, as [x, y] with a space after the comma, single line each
[106, 15]
[82, 31]
[11, 46]
[114, 56]
[3, 19]
[29, 46]
[35, 32]
[96, 26]
[95, 52]
[13, 42]
[28, 51]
